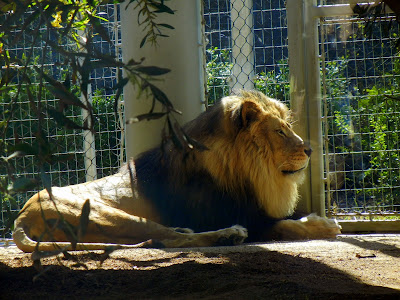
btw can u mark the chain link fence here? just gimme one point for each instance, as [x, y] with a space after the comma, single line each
[246, 47]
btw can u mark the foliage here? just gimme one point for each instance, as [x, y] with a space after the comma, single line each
[103, 108]
[218, 71]
[381, 107]
[147, 16]
[275, 83]
[365, 126]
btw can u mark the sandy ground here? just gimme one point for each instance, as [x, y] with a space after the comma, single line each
[351, 267]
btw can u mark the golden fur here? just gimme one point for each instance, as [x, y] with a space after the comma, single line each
[248, 176]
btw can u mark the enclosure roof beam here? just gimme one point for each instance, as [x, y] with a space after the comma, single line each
[325, 11]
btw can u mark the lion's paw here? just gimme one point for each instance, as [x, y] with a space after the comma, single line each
[310, 227]
[234, 235]
[182, 230]
[321, 228]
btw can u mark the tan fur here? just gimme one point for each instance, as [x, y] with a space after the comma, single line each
[248, 155]
[251, 147]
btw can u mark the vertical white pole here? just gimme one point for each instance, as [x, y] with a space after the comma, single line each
[242, 45]
[121, 125]
[182, 52]
[89, 148]
[306, 96]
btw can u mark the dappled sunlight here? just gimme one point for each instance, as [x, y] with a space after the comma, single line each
[308, 269]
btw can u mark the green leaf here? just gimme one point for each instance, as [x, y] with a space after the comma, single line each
[152, 70]
[196, 144]
[71, 22]
[60, 91]
[22, 185]
[63, 121]
[144, 40]
[25, 149]
[120, 88]
[166, 26]
[174, 135]
[149, 116]
[83, 220]
[161, 8]
[162, 97]
[100, 29]
[45, 180]
[13, 155]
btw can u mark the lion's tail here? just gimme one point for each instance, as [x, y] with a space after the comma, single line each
[26, 244]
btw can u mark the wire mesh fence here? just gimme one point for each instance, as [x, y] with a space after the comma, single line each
[78, 155]
[361, 116]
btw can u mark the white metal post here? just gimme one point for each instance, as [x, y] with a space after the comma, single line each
[182, 52]
[242, 45]
[306, 96]
[89, 147]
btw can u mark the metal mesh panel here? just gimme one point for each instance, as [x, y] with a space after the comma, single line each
[361, 117]
[75, 161]
[218, 52]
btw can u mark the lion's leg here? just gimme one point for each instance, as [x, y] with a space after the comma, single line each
[119, 227]
[109, 225]
[310, 227]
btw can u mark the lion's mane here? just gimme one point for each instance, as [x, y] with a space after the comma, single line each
[236, 181]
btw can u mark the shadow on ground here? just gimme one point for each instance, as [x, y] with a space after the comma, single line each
[257, 273]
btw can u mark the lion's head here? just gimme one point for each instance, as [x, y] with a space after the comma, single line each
[252, 143]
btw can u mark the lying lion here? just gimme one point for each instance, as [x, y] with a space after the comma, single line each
[248, 176]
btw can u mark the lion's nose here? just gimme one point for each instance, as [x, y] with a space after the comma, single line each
[308, 151]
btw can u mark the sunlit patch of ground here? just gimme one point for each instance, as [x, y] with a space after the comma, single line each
[351, 267]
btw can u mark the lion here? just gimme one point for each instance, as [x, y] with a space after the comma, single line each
[242, 187]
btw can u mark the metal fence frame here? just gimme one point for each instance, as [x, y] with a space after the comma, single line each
[306, 48]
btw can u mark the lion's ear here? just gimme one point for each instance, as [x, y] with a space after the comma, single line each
[249, 113]
[244, 115]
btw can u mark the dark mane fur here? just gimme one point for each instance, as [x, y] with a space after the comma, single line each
[197, 203]
[186, 195]
[234, 182]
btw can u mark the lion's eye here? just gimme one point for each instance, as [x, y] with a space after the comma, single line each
[280, 132]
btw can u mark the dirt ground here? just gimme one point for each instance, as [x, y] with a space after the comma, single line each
[351, 267]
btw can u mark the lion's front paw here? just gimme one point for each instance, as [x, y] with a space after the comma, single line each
[321, 228]
[234, 235]
[182, 230]
[310, 227]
